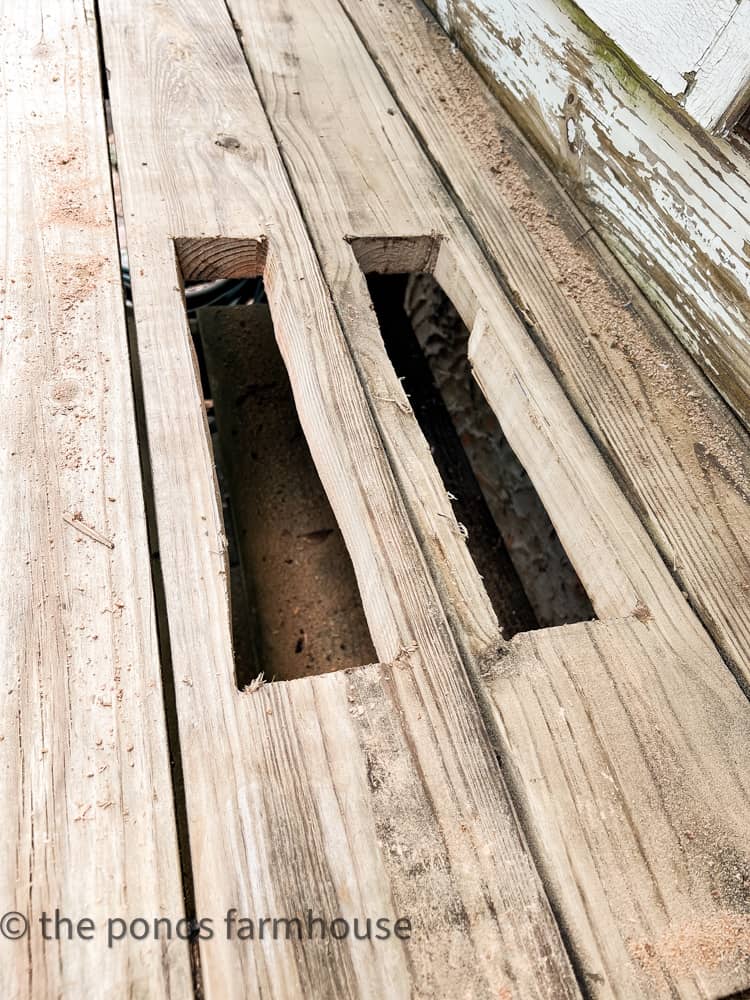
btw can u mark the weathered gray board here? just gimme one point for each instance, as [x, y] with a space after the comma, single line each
[672, 201]
[375, 791]
[646, 683]
[87, 824]
[371, 793]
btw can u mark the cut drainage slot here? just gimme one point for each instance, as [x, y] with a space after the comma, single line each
[296, 609]
[529, 578]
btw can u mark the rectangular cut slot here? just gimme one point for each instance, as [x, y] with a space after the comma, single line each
[296, 609]
[527, 574]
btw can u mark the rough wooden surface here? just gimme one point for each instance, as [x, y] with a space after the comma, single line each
[681, 456]
[357, 168]
[614, 558]
[682, 722]
[618, 797]
[88, 826]
[671, 201]
[376, 792]
[270, 831]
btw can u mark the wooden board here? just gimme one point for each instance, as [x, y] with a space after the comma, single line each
[88, 822]
[616, 798]
[310, 795]
[695, 50]
[671, 201]
[358, 170]
[680, 455]
[682, 723]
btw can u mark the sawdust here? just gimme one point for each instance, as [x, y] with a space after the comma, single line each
[625, 351]
[720, 941]
[79, 280]
[642, 613]
[67, 193]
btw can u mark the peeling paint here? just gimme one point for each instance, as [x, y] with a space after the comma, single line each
[669, 199]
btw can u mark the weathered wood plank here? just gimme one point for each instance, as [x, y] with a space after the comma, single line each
[617, 799]
[670, 201]
[344, 811]
[357, 168]
[197, 159]
[607, 545]
[88, 823]
[669, 721]
[681, 456]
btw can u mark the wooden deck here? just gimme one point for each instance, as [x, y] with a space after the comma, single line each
[560, 815]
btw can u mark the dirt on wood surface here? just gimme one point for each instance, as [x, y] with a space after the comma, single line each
[299, 612]
[721, 941]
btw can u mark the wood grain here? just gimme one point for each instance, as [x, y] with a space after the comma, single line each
[357, 168]
[88, 823]
[610, 551]
[618, 798]
[677, 451]
[681, 724]
[273, 826]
